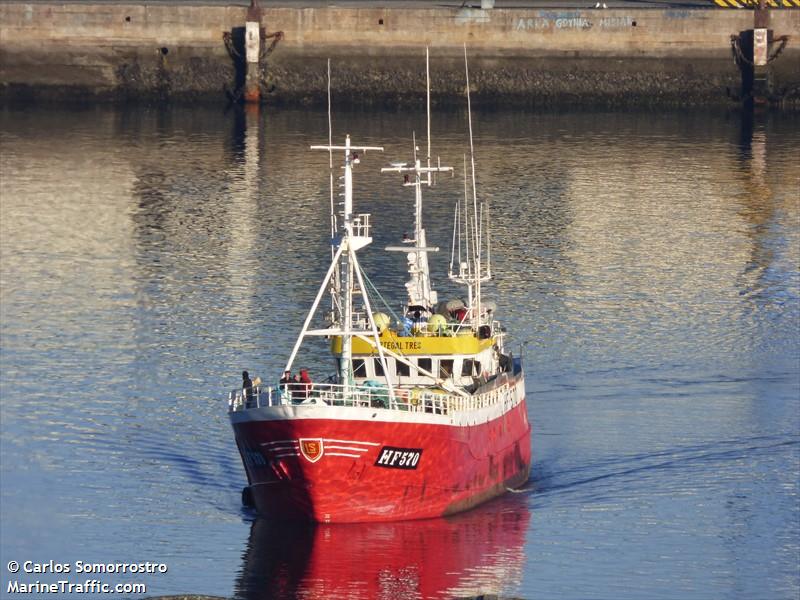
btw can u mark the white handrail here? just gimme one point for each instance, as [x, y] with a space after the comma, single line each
[364, 396]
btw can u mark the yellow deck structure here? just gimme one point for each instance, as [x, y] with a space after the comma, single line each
[422, 344]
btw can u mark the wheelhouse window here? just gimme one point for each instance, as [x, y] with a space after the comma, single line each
[378, 367]
[445, 368]
[359, 367]
[470, 368]
[425, 363]
[402, 369]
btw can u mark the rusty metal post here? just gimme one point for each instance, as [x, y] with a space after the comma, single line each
[252, 44]
[761, 17]
[762, 36]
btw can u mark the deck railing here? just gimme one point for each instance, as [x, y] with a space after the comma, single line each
[364, 396]
[361, 225]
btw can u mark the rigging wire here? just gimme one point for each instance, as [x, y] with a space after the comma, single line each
[368, 281]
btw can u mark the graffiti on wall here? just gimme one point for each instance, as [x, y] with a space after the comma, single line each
[566, 20]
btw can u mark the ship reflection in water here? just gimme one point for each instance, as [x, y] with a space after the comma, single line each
[477, 553]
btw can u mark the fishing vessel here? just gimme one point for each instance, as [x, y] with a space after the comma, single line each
[425, 414]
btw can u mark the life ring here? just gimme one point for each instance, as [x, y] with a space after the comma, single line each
[414, 396]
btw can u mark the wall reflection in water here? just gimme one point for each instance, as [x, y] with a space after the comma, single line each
[469, 555]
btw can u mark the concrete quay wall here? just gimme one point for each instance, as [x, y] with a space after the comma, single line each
[517, 56]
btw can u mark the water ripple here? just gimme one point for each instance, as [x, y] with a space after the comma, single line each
[645, 264]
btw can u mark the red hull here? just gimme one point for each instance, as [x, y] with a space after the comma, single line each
[334, 470]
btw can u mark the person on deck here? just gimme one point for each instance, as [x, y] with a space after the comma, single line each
[247, 388]
[285, 381]
[295, 389]
[305, 384]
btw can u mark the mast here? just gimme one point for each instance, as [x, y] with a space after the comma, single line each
[428, 106]
[330, 152]
[353, 235]
[420, 291]
[335, 281]
[472, 272]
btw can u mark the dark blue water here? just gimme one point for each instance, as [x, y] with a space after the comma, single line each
[649, 263]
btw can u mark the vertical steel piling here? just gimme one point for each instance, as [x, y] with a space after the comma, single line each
[252, 43]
